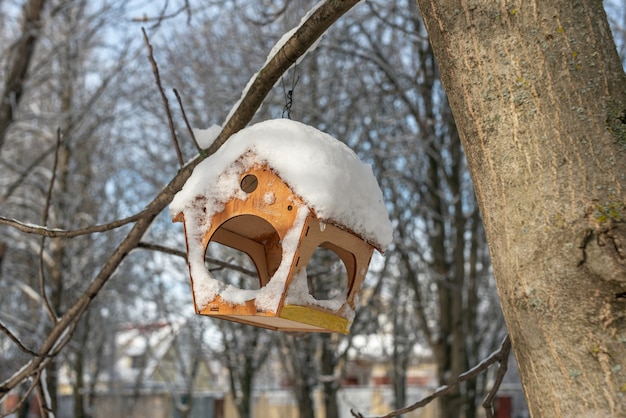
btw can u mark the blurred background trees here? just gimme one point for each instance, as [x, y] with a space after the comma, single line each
[69, 95]
[80, 111]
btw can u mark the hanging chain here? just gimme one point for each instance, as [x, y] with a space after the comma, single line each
[289, 94]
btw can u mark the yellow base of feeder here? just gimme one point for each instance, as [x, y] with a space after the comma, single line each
[306, 315]
[292, 318]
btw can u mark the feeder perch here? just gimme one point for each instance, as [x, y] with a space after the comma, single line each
[280, 231]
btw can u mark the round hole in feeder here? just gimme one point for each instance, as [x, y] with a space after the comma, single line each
[249, 183]
[327, 275]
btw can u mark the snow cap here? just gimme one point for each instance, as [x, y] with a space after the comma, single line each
[324, 172]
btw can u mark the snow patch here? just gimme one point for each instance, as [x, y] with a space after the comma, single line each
[269, 198]
[298, 294]
[206, 137]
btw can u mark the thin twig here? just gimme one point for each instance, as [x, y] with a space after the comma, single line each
[55, 163]
[16, 340]
[21, 400]
[44, 396]
[505, 350]
[162, 16]
[178, 253]
[162, 249]
[63, 233]
[500, 355]
[46, 214]
[170, 121]
[182, 109]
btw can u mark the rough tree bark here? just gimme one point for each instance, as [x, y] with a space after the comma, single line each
[539, 96]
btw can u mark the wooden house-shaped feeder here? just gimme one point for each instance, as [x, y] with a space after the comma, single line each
[263, 194]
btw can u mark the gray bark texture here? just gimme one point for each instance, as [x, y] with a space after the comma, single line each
[539, 96]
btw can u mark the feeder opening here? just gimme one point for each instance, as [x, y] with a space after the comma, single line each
[249, 238]
[232, 266]
[249, 183]
[327, 275]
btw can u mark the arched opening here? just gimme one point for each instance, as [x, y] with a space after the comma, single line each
[232, 266]
[245, 251]
[327, 275]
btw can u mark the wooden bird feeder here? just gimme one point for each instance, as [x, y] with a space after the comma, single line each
[239, 200]
[256, 226]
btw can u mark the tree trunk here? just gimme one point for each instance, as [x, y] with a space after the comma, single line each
[21, 55]
[78, 389]
[301, 367]
[539, 97]
[328, 364]
[245, 399]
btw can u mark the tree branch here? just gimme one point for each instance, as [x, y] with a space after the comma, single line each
[505, 350]
[43, 394]
[182, 110]
[22, 399]
[63, 233]
[16, 340]
[46, 214]
[155, 70]
[163, 16]
[178, 253]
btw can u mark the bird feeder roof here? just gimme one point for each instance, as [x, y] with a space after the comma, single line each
[325, 173]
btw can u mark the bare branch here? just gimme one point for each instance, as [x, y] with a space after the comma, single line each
[501, 356]
[182, 109]
[162, 249]
[170, 121]
[178, 253]
[16, 340]
[502, 368]
[43, 394]
[62, 233]
[268, 15]
[44, 221]
[163, 16]
[21, 400]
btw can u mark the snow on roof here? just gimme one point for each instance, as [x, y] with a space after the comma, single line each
[324, 172]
